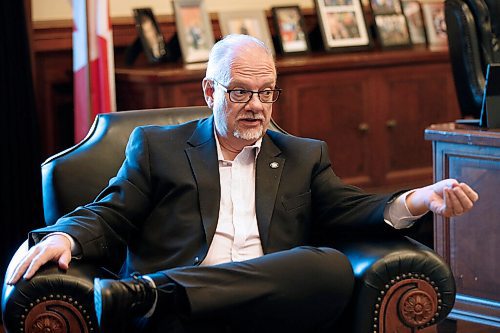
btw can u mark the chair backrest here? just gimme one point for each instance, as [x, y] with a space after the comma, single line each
[473, 27]
[75, 176]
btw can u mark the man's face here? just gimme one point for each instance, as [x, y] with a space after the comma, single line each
[245, 123]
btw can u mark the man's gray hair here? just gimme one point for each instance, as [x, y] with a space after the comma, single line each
[222, 54]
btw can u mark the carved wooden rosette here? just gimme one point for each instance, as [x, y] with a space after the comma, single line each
[60, 315]
[408, 302]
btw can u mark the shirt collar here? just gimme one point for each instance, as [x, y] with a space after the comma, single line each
[220, 157]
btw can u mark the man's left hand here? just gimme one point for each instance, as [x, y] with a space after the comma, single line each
[447, 197]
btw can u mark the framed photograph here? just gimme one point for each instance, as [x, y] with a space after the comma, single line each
[392, 30]
[342, 25]
[435, 24]
[250, 22]
[413, 13]
[149, 32]
[194, 30]
[290, 29]
[386, 7]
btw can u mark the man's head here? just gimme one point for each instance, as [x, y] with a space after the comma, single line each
[239, 62]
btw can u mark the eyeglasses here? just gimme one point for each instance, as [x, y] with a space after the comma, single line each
[244, 96]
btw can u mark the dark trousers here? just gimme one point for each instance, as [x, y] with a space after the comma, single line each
[303, 289]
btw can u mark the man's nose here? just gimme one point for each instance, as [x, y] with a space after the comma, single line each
[254, 102]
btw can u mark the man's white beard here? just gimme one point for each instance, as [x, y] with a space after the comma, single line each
[249, 134]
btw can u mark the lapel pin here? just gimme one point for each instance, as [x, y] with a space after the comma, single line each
[274, 165]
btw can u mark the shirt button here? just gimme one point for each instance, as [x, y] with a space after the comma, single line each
[196, 260]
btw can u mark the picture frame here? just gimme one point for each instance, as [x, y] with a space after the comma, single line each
[153, 43]
[250, 22]
[290, 30]
[435, 24]
[413, 12]
[194, 30]
[342, 24]
[392, 30]
[380, 7]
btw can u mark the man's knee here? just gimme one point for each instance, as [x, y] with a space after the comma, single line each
[330, 270]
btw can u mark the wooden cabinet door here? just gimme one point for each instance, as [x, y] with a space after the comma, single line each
[331, 106]
[414, 98]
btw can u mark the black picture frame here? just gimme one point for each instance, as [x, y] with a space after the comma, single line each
[392, 31]
[152, 40]
[343, 26]
[291, 34]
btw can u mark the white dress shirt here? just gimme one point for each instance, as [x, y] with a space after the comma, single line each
[237, 234]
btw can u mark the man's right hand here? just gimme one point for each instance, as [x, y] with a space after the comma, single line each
[53, 248]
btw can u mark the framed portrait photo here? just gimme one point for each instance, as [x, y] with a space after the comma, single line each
[413, 13]
[435, 24]
[392, 30]
[149, 32]
[342, 25]
[290, 29]
[386, 7]
[250, 22]
[194, 30]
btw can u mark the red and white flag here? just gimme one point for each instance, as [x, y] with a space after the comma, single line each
[93, 63]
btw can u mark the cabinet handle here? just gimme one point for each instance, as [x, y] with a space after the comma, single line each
[363, 127]
[391, 123]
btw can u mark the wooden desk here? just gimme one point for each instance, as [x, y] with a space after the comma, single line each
[471, 243]
[370, 107]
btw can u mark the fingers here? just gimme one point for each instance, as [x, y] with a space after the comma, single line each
[453, 202]
[54, 248]
[459, 199]
[64, 260]
[446, 209]
[23, 265]
[469, 192]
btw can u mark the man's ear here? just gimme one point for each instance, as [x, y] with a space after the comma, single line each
[208, 91]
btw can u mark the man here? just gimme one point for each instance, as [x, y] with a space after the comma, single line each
[219, 216]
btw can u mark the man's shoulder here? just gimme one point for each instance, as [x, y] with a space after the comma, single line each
[282, 139]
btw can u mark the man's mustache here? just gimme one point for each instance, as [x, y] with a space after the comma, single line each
[251, 116]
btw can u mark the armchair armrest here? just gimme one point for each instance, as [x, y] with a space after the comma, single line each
[53, 300]
[401, 285]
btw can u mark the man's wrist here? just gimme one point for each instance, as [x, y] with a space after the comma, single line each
[415, 203]
[75, 248]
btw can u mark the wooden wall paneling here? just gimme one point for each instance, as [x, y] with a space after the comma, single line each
[189, 93]
[55, 97]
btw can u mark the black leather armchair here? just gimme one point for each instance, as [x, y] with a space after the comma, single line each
[473, 31]
[401, 285]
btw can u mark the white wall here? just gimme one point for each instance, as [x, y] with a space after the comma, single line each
[45, 10]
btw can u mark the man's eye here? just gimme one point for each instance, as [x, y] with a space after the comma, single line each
[240, 92]
[266, 92]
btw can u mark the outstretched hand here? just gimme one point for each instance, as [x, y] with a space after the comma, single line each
[447, 197]
[53, 248]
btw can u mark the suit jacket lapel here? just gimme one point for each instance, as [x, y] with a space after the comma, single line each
[267, 178]
[203, 159]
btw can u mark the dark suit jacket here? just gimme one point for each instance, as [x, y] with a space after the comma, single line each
[164, 201]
